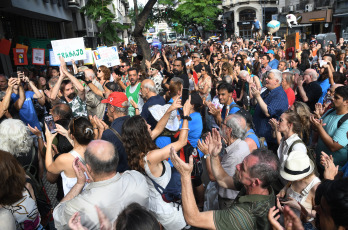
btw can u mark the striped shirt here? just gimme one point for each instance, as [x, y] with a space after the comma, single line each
[247, 212]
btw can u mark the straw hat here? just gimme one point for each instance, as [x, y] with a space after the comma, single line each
[297, 166]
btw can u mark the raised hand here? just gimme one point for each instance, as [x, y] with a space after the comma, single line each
[80, 171]
[62, 131]
[274, 124]
[330, 169]
[273, 218]
[175, 105]
[35, 130]
[203, 147]
[187, 107]
[319, 110]
[49, 135]
[104, 222]
[183, 168]
[75, 222]
[214, 143]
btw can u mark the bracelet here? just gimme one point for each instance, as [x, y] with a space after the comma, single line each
[206, 156]
[136, 108]
[40, 137]
[88, 82]
[186, 118]
[95, 128]
[184, 129]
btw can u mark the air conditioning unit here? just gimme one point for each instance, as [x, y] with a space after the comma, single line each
[309, 8]
[291, 8]
[280, 10]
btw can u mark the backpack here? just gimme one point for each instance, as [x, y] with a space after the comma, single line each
[341, 121]
[262, 140]
[185, 154]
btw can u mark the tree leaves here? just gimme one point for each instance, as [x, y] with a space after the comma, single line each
[99, 11]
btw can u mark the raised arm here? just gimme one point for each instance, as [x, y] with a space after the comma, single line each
[260, 101]
[5, 103]
[214, 147]
[191, 213]
[56, 87]
[19, 103]
[74, 80]
[163, 121]
[158, 155]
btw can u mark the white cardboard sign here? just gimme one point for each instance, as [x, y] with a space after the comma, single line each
[73, 48]
[107, 56]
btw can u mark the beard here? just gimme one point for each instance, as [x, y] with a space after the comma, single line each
[71, 96]
[176, 72]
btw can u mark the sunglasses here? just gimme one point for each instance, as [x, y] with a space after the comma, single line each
[238, 59]
[153, 69]
[122, 66]
[99, 70]
[203, 70]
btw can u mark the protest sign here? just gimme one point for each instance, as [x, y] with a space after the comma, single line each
[89, 57]
[20, 56]
[107, 56]
[38, 56]
[21, 46]
[73, 48]
[53, 60]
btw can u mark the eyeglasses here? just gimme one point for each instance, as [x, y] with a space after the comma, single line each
[99, 70]
[122, 66]
[195, 57]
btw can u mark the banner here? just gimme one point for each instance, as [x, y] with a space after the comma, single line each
[20, 56]
[89, 57]
[38, 56]
[73, 48]
[5, 46]
[106, 56]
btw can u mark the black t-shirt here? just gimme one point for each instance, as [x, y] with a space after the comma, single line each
[313, 92]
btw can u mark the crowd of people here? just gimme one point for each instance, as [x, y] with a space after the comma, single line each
[230, 134]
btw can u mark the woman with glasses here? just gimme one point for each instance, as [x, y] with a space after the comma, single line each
[103, 75]
[204, 83]
[80, 133]
[288, 131]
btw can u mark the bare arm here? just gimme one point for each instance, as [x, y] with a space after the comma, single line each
[19, 103]
[7, 98]
[260, 101]
[56, 87]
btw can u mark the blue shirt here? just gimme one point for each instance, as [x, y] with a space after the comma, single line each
[27, 112]
[145, 113]
[110, 136]
[195, 128]
[274, 64]
[277, 103]
[256, 24]
[232, 110]
[325, 86]
[338, 135]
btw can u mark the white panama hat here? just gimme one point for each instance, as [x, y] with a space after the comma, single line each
[297, 166]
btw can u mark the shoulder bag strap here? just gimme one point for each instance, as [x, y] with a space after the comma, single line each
[116, 133]
[293, 144]
[342, 120]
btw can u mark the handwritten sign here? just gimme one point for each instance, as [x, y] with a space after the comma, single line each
[89, 57]
[38, 56]
[53, 60]
[73, 48]
[107, 56]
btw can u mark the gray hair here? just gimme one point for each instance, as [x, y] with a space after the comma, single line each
[151, 87]
[289, 78]
[228, 79]
[312, 73]
[177, 79]
[123, 109]
[243, 73]
[89, 74]
[15, 137]
[82, 68]
[238, 125]
[277, 74]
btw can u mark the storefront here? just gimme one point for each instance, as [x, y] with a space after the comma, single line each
[321, 21]
[246, 17]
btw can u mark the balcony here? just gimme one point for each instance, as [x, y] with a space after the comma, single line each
[74, 4]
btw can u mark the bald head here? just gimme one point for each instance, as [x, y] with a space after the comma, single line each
[61, 111]
[149, 84]
[313, 73]
[90, 75]
[102, 157]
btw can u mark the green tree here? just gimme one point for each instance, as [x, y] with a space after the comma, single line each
[98, 10]
[196, 13]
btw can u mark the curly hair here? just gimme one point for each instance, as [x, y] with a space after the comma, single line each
[304, 113]
[12, 179]
[136, 141]
[15, 137]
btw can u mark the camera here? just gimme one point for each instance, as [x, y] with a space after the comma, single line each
[80, 76]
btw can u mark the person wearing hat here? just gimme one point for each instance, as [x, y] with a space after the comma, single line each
[274, 62]
[117, 110]
[299, 171]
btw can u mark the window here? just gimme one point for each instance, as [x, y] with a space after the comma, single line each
[247, 15]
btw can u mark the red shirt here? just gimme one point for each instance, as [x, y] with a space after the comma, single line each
[291, 96]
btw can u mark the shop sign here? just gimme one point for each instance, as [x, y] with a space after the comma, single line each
[317, 19]
[243, 23]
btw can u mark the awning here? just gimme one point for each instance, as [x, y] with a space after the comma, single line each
[227, 14]
[339, 15]
[301, 25]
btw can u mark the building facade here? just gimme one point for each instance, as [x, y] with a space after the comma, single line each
[239, 15]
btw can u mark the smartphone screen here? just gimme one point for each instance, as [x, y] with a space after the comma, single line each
[50, 123]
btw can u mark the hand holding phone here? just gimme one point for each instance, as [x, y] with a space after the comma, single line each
[50, 124]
